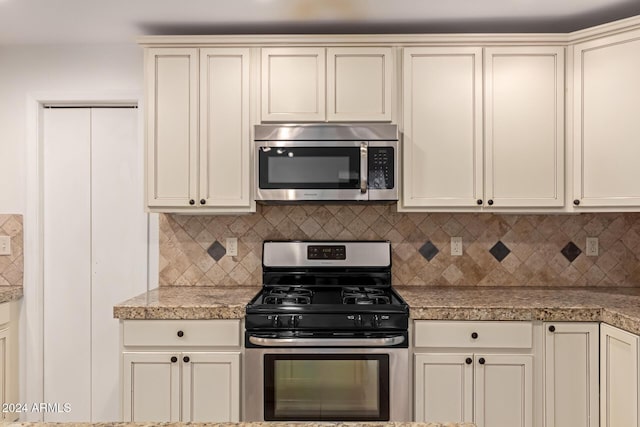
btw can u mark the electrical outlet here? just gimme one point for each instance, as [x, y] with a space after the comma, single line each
[456, 246]
[232, 246]
[592, 246]
[5, 245]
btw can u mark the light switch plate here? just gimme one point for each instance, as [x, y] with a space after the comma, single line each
[232, 246]
[5, 245]
[456, 246]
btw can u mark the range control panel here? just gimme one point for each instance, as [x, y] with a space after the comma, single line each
[381, 171]
[326, 252]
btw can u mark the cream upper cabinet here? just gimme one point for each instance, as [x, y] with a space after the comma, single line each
[606, 126]
[315, 84]
[293, 84]
[619, 377]
[442, 145]
[198, 130]
[359, 83]
[571, 369]
[524, 126]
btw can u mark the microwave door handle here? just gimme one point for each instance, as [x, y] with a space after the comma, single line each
[363, 167]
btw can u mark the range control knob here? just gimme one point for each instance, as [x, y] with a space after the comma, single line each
[275, 321]
[375, 322]
[357, 320]
[293, 321]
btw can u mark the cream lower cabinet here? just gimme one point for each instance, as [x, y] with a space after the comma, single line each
[181, 371]
[198, 130]
[483, 381]
[606, 129]
[571, 368]
[619, 377]
[8, 360]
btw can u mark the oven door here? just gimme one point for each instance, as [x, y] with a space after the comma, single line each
[308, 170]
[326, 384]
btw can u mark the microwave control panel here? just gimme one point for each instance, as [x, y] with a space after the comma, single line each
[381, 171]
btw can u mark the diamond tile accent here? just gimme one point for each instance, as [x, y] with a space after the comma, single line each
[571, 251]
[428, 250]
[532, 249]
[500, 251]
[12, 266]
[216, 251]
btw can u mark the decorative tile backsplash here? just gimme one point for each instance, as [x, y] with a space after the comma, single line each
[499, 250]
[12, 266]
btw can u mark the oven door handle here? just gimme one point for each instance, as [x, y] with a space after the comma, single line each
[364, 167]
[326, 342]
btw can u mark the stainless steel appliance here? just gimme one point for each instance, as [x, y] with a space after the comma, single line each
[326, 162]
[326, 337]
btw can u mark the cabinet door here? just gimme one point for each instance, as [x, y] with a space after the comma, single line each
[211, 387]
[619, 379]
[571, 374]
[359, 83]
[606, 126]
[172, 126]
[4, 362]
[293, 84]
[503, 390]
[225, 168]
[442, 147]
[443, 387]
[151, 387]
[524, 126]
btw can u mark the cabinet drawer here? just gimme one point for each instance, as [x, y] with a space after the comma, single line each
[497, 334]
[219, 333]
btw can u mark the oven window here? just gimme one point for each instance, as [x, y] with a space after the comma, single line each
[309, 167]
[334, 387]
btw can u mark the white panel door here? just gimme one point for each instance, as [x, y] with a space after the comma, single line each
[151, 386]
[67, 262]
[571, 374]
[503, 390]
[606, 126]
[172, 126]
[293, 84]
[443, 387]
[442, 146]
[359, 83]
[224, 128]
[211, 387]
[524, 126]
[619, 380]
[118, 244]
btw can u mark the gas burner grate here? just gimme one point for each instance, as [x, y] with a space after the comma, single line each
[364, 296]
[288, 296]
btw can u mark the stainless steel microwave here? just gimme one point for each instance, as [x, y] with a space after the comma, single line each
[326, 162]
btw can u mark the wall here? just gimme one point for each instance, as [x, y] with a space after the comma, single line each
[506, 250]
[12, 266]
[27, 70]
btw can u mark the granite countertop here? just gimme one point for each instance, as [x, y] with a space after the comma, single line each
[253, 424]
[618, 307]
[10, 293]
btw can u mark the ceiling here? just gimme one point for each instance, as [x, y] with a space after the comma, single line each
[116, 21]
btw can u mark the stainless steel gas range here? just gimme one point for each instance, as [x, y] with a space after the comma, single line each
[326, 338]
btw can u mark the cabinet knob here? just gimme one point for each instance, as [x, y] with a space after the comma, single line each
[203, 201]
[474, 335]
[490, 202]
[479, 201]
[192, 202]
[174, 359]
[186, 359]
[481, 361]
[552, 328]
[576, 202]
[180, 334]
[468, 361]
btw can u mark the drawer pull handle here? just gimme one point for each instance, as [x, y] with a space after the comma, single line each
[481, 361]
[552, 328]
[474, 335]
[468, 361]
[174, 359]
[180, 334]
[186, 359]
